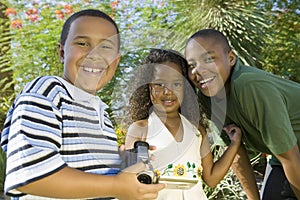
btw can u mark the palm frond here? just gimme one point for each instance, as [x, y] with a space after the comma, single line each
[240, 21]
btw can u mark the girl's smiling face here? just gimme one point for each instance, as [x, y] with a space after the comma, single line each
[90, 54]
[166, 88]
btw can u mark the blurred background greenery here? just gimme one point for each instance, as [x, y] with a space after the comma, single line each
[264, 33]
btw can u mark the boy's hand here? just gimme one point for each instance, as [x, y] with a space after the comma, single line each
[234, 133]
[127, 186]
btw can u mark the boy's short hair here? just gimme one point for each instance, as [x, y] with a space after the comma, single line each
[87, 12]
[213, 34]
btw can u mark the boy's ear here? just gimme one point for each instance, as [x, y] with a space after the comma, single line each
[61, 52]
[232, 58]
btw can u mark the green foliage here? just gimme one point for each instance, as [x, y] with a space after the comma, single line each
[121, 135]
[6, 86]
[2, 169]
[34, 45]
[281, 54]
[241, 22]
[265, 34]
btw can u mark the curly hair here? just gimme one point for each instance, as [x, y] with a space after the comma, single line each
[140, 105]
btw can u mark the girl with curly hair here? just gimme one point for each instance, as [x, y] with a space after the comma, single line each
[166, 114]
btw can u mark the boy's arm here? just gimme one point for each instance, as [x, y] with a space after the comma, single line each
[72, 183]
[244, 171]
[291, 164]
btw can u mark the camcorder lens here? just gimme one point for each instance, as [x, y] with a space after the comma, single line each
[144, 178]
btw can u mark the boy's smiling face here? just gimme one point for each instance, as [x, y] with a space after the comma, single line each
[210, 65]
[90, 54]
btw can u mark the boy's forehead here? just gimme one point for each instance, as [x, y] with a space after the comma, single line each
[194, 48]
[203, 45]
[90, 25]
[201, 42]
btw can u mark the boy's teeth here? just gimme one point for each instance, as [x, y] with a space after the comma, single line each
[91, 69]
[206, 80]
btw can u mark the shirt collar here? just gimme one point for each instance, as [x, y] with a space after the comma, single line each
[81, 95]
[77, 93]
[236, 68]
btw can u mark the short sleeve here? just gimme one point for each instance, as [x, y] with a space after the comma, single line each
[34, 140]
[266, 109]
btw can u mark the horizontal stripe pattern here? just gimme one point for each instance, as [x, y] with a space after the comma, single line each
[47, 129]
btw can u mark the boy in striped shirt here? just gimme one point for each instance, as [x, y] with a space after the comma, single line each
[59, 141]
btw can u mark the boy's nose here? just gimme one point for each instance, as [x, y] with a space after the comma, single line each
[94, 54]
[198, 70]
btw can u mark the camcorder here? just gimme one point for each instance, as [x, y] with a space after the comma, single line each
[149, 176]
[140, 154]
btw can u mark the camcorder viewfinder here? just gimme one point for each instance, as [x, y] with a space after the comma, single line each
[140, 154]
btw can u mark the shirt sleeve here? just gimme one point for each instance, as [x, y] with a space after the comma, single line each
[265, 108]
[34, 140]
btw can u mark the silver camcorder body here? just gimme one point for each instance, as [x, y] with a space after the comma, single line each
[140, 154]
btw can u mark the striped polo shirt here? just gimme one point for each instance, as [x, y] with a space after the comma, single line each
[53, 124]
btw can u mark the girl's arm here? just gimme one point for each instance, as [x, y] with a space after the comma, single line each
[214, 172]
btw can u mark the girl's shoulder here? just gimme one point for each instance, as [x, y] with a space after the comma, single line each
[137, 130]
[138, 126]
[141, 123]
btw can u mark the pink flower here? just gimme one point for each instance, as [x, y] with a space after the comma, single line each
[33, 17]
[113, 5]
[10, 11]
[32, 11]
[68, 9]
[59, 14]
[16, 23]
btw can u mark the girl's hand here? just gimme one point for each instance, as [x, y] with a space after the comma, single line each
[234, 133]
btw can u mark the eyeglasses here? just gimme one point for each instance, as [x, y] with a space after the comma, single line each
[174, 86]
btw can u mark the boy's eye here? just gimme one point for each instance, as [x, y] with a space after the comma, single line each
[106, 46]
[209, 59]
[82, 44]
